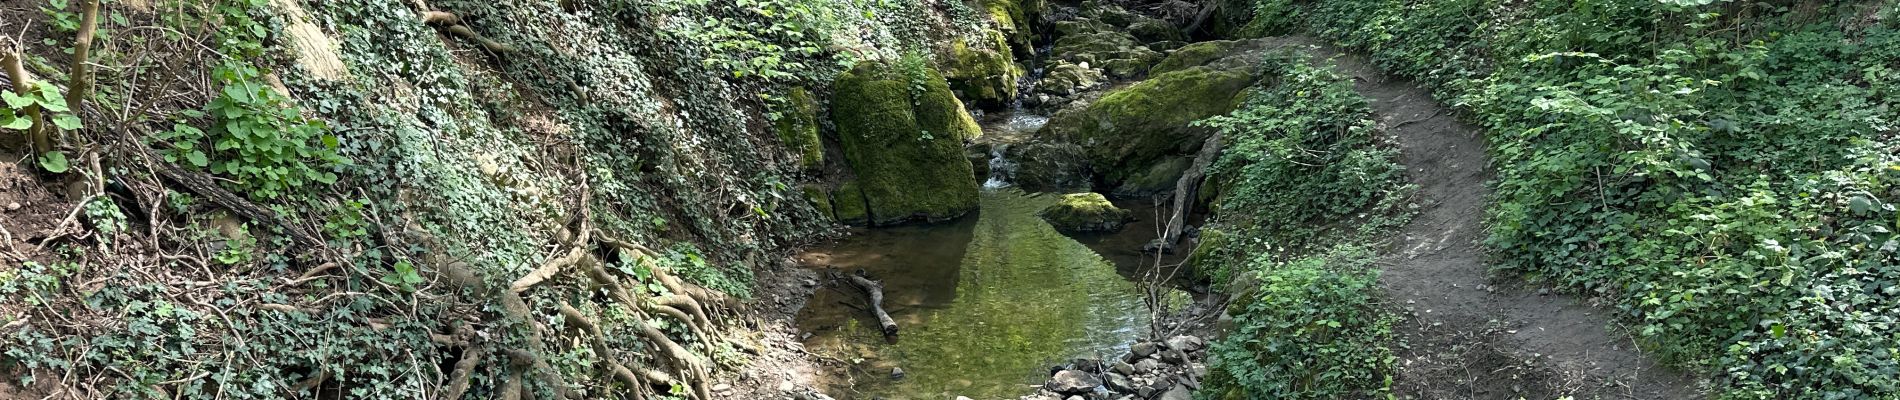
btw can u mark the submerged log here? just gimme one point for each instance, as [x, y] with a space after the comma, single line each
[875, 291]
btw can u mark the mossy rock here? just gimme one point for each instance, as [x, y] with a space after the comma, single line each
[820, 200]
[1160, 177]
[797, 127]
[1085, 212]
[1217, 54]
[1194, 55]
[1107, 12]
[1048, 167]
[1080, 26]
[1128, 68]
[1065, 78]
[847, 204]
[1017, 19]
[984, 74]
[1130, 129]
[905, 147]
[1100, 46]
[1150, 30]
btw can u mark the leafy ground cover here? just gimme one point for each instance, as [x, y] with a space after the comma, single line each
[1306, 193]
[1721, 171]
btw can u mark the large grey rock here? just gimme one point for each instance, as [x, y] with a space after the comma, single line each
[1118, 383]
[1072, 382]
[1122, 368]
[1143, 349]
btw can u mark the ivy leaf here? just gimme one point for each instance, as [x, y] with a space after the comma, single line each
[54, 162]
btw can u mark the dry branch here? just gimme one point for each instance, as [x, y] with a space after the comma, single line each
[875, 291]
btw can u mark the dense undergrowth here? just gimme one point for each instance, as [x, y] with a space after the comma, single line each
[1724, 172]
[441, 158]
[1306, 192]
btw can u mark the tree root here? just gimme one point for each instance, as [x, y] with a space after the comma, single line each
[451, 23]
[601, 349]
[459, 379]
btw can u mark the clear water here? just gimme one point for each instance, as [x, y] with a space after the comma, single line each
[985, 305]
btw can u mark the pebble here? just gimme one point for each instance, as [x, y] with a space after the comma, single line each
[1543, 292]
[787, 386]
[897, 373]
[13, 206]
[721, 387]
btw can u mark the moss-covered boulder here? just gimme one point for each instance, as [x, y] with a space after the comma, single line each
[1160, 177]
[1085, 212]
[1017, 19]
[983, 73]
[797, 127]
[1127, 131]
[1217, 54]
[1115, 52]
[902, 133]
[848, 206]
[1066, 78]
[820, 199]
[1150, 30]
[1047, 167]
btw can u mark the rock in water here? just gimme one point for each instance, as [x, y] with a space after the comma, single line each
[1142, 350]
[1085, 212]
[1072, 382]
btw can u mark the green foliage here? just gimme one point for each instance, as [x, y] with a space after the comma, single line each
[1312, 329]
[265, 146]
[1306, 193]
[47, 98]
[1727, 181]
[403, 275]
[1302, 161]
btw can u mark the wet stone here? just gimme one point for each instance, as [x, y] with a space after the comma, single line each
[1072, 382]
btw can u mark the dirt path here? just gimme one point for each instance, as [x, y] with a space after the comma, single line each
[1471, 335]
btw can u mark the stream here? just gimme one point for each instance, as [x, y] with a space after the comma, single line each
[987, 303]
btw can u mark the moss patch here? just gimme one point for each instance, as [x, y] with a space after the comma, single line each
[797, 127]
[1130, 129]
[1017, 19]
[906, 148]
[984, 74]
[820, 200]
[847, 204]
[1196, 54]
[1160, 177]
[1085, 212]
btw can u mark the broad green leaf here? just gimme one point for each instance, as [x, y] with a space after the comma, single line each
[54, 162]
[15, 101]
[67, 122]
[15, 123]
[198, 158]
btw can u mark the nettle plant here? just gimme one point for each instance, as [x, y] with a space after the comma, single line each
[255, 137]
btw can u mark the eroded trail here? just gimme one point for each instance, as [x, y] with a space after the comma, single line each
[1469, 336]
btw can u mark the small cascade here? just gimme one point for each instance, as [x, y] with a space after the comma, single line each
[1001, 169]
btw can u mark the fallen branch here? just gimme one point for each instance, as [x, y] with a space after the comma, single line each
[875, 291]
[203, 186]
